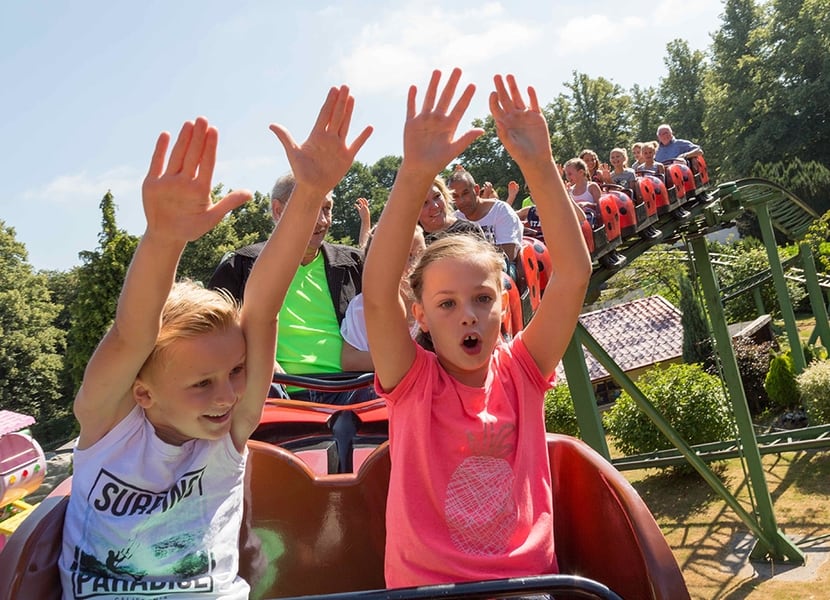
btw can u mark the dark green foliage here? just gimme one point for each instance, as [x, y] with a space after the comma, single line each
[753, 365]
[560, 416]
[655, 272]
[250, 223]
[697, 342]
[737, 263]
[690, 399]
[30, 343]
[99, 284]
[487, 160]
[358, 182]
[809, 181]
[780, 383]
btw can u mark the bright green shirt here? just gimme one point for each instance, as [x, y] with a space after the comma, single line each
[309, 338]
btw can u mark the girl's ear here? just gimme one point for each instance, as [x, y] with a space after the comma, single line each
[142, 394]
[418, 313]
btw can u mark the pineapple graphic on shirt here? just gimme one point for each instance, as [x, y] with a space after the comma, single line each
[479, 508]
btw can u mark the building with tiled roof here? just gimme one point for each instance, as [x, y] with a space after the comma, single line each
[637, 335]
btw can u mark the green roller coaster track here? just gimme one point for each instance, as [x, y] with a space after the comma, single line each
[712, 210]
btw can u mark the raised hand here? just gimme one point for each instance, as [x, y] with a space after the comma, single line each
[522, 129]
[323, 159]
[177, 202]
[362, 207]
[429, 135]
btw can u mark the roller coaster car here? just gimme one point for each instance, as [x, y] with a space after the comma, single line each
[324, 534]
[700, 171]
[665, 193]
[637, 213]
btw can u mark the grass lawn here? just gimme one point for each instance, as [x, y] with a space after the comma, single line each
[711, 543]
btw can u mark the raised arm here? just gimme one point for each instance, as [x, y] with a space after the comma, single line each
[429, 145]
[362, 207]
[524, 133]
[318, 165]
[178, 209]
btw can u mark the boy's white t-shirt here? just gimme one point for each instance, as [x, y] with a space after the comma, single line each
[501, 225]
[150, 519]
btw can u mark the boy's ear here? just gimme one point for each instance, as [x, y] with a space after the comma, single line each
[142, 394]
[418, 313]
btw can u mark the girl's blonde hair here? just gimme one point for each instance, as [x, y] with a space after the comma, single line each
[622, 151]
[191, 310]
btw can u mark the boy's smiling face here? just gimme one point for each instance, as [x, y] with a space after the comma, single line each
[191, 394]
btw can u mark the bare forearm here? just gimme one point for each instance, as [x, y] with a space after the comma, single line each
[560, 222]
[389, 249]
[146, 287]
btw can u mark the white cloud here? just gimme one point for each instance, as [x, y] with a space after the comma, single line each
[402, 46]
[85, 188]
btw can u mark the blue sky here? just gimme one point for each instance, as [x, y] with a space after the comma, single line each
[89, 84]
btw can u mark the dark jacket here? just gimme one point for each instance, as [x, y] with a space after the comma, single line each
[343, 266]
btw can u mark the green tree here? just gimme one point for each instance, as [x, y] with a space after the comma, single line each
[681, 90]
[697, 343]
[487, 160]
[798, 38]
[780, 382]
[691, 400]
[30, 363]
[656, 271]
[253, 220]
[600, 114]
[100, 278]
[646, 113]
[247, 224]
[732, 87]
[63, 288]
[358, 182]
[385, 170]
[743, 260]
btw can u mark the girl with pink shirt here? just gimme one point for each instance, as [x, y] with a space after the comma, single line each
[469, 493]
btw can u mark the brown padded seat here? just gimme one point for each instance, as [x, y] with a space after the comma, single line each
[309, 534]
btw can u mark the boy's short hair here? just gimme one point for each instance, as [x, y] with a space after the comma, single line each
[191, 310]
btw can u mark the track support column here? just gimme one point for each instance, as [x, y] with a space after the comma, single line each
[781, 547]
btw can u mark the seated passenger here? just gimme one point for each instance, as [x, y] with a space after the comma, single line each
[500, 223]
[584, 193]
[329, 276]
[591, 161]
[353, 328]
[672, 147]
[635, 151]
[437, 219]
[619, 174]
[649, 165]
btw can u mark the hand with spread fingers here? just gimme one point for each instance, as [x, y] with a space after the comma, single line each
[323, 159]
[177, 201]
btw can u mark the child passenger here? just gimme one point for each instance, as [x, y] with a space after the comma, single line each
[470, 489]
[585, 193]
[176, 386]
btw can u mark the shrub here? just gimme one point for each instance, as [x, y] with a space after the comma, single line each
[560, 416]
[780, 382]
[814, 386]
[753, 364]
[691, 400]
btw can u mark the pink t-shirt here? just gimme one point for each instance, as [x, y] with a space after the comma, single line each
[470, 492]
